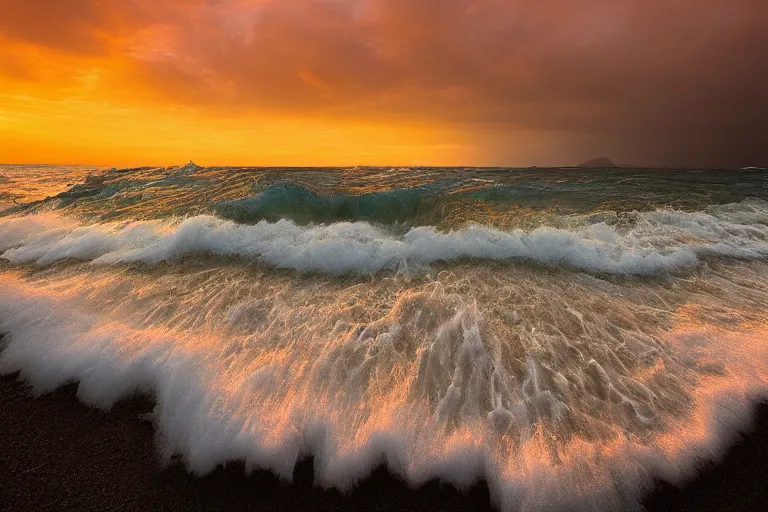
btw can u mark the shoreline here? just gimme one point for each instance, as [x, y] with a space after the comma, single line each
[58, 454]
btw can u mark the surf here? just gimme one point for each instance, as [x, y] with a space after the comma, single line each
[655, 243]
[566, 337]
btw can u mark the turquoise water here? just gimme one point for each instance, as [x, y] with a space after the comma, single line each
[412, 196]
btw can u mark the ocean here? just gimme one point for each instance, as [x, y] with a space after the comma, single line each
[566, 335]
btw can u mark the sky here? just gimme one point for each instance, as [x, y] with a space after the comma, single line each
[384, 82]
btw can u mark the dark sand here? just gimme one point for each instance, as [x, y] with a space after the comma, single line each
[56, 454]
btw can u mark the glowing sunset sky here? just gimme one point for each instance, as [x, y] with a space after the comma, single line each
[345, 82]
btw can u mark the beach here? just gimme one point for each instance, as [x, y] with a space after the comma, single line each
[57, 454]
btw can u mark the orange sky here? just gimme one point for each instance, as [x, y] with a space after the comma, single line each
[346, 82]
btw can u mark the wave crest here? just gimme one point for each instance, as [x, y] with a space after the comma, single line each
[649, 244]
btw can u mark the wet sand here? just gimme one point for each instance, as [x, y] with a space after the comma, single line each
[57, 454]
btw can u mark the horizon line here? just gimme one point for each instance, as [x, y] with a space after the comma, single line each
[407, 166]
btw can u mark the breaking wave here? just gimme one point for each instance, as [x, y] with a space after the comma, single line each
[292, 201]
[643, 244]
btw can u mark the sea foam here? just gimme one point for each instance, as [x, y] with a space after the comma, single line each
[575, 406]
[648, 244]
[559, 388]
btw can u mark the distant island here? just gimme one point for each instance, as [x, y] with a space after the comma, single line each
[601, 162]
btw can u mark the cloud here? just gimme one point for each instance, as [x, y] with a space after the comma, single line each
[650, 80]
[71, 26]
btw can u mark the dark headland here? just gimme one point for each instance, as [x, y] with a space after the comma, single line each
[57, 454]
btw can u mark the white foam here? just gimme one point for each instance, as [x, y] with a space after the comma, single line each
[657, 242]
[300, 384]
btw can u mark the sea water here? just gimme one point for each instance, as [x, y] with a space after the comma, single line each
[567, 335]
